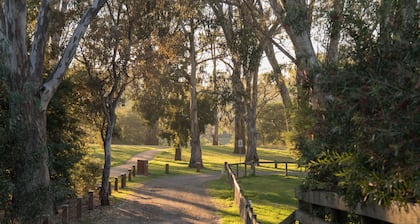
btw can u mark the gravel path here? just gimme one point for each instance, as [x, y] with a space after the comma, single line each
[176, 199]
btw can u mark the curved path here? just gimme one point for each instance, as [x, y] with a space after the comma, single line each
[167, 200]
[146, 155]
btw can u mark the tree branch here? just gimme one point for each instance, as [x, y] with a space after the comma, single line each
[36, 58]
[55, 78]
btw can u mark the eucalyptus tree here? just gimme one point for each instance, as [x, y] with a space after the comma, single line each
[110, 52]
[226, 18]
[30, 94]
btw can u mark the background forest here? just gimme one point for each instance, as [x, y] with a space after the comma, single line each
[337, 81]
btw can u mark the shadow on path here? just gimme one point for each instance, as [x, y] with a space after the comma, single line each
[174, 199]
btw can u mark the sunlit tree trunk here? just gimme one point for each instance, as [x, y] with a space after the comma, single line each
[252, 95]
[196, 157]
[109, 107]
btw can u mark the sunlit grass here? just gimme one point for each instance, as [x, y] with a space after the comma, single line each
[272, 196]
[223, 197]
[119, 153]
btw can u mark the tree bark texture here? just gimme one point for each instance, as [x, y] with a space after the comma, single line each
[239, 108]
[196, 157]
[278, 76]
[251, 74]
[29, 98]
[296, 18]
[109, 123]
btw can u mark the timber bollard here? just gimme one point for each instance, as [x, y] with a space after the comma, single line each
[133, 171]
[129, 174]
[123, 180]
[198, 166]
[287, 170]
[167, 168]
[65, 214]
[116, 184]
[142, 167]
[109, 188]
[90, 200]
[138, 167]
[79, 208]
[275, 164]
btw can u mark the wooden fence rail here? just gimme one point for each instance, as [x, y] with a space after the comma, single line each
[321, 207]
[246, 169]
[245, 210]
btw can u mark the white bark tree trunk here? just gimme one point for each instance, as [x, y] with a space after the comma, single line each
[29, 98]
[196, 157]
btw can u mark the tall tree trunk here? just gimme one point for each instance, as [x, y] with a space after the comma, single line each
[32, 195]
[238, 89]
[109, 123]
[336, 18]
[29, 99]
[239, 108]
[216, 111]
[252, 90]
[196, 157]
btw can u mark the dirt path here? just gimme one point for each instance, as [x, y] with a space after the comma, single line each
[177, 199]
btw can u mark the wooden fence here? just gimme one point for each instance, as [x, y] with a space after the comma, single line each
[246, 169]
[73, 209]
[320, 207]
[246, 212]
[236, 170]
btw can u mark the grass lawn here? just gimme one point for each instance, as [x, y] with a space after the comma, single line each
[272, 196]
[119, 153]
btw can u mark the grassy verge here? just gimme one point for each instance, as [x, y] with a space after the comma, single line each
[119, 153]
[272, 196]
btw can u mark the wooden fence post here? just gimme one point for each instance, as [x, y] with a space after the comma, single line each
[109, 188]
[129, 174]
[134, 171]
[79, 208]
[123, 179]
[138, 167]
[275, 163]
[116, 184]
[287, 170]
[90, 200]
[167, 168]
